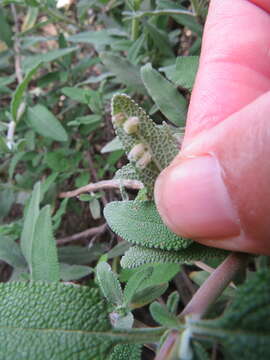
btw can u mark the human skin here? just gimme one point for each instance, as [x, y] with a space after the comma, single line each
[217, 189]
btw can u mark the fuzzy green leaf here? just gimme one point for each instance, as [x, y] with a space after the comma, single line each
[159, 140]
[147, 295]
[138, 255]
[135, 283]
[170, 102]
[44, 263]
[140, 223]
[109, 284]
[57, 321]
[244, 330]
[126, 352]
[162, 316]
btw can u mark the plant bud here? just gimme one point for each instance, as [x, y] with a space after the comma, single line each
[136, 152]
[118, 119]
[131, 125]
[144, 160]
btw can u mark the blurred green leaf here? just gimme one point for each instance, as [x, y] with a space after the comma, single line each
[162, 316]
[30, 218]
[125, 72]
[44, 263]
[6, 32]
[74, 272]
[45, 123]
[32, 61]
[17, 97]
[170, 102]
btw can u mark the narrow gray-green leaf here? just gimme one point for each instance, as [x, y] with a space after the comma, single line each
[140, 223]
[17, 97]
[137, 255]
[45, 123]
[29, 223]
[125, 72]
[32, 61]
[44, 262]
[170, 102]
[109, 284]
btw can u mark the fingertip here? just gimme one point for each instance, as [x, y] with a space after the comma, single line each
[193, 201]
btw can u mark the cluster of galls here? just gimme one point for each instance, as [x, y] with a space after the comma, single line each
[140, 153]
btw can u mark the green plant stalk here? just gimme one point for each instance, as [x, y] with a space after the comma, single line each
[135, 26]
[217, 282]
[207, 294]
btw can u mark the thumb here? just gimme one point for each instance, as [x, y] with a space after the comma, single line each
[217, 190]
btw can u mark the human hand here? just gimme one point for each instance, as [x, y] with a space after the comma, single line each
[217, 190]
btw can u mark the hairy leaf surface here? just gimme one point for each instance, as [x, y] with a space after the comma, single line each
[138, 255]
[139, 222]
[57, 321]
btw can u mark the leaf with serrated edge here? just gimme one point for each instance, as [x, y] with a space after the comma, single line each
[138, 255]
[58, 322]
[140, 223]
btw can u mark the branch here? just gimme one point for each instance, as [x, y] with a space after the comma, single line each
[101, 185]
[217, 282]
[84, 234]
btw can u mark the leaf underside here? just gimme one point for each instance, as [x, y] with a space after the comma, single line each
[159, 139]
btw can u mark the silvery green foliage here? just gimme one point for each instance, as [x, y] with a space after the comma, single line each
[140, 223]
[138, 255]
[159, 141]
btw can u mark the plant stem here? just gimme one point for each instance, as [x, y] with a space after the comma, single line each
[105, 184]
[207, 294]
[217, 282]
[18, 72]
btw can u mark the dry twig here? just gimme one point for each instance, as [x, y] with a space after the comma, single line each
[82, 235]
